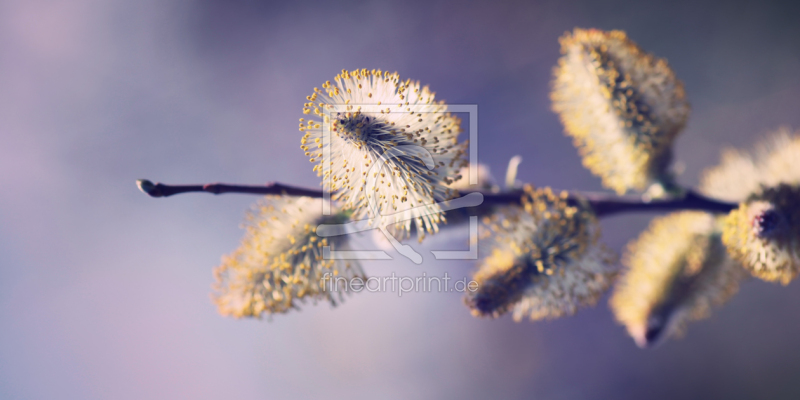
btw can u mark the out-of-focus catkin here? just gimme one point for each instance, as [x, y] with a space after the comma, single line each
[280, 262]
[764, 233]
[741, 174]
[622, 106]
[545, 260]
[674, 273]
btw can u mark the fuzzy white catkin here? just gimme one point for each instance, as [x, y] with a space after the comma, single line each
[385, 148]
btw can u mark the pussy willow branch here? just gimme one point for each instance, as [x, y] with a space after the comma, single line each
[162, 190]
[602, 204]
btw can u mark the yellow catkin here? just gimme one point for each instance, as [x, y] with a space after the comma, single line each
[764, 233]
[674, 273]
[544, 261]
[280, 262]
[622, 106]
[763, 182]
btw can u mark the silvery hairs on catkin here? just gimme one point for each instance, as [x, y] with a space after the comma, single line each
[384, 147]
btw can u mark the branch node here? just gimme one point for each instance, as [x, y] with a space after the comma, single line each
[148, 187]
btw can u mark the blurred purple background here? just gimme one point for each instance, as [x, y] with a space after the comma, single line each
[104, 292]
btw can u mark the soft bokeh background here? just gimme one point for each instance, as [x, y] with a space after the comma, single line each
[104, 292]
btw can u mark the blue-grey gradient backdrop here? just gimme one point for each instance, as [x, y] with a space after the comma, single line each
[104, 292]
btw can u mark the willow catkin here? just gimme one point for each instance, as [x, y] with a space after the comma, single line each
[764, 233]
[622, 106]
[280, 262]
[384, 147]
[675, 272]
[544, 262]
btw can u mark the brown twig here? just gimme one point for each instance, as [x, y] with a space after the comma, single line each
[162, 190]
[603, 204]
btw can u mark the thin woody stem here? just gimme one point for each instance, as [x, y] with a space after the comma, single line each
[602, 204]
[608, 205]
[162, 190]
